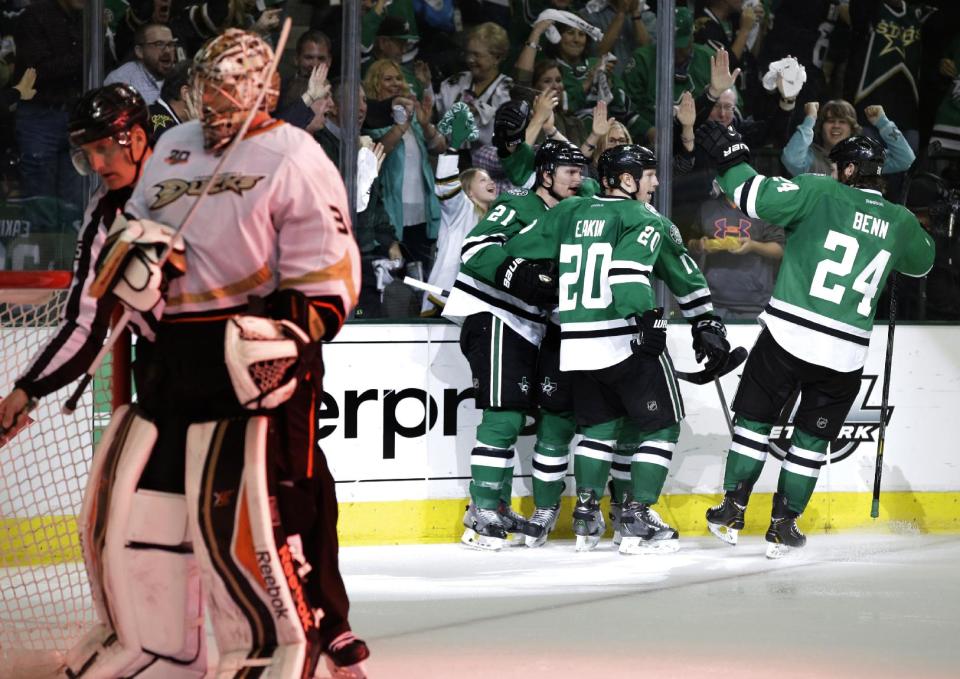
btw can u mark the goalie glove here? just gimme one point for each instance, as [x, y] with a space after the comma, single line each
[710, 342]
[131, 269]
[262, 357]
[651, 339]
[723, 144]
[510, 125]
[533, 281]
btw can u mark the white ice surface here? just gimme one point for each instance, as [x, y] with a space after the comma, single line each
[875, 606]
[872, 606]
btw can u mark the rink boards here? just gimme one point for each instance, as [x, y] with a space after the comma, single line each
[398, 437]
[397, 424]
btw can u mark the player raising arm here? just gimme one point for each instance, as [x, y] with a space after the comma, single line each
[842, 241]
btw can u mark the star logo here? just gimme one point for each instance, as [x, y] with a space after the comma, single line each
[548, 387]
[524, 385]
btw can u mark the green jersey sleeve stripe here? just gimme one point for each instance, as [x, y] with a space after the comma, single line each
[618, 279]
[696, 294]
[628, 264]
[745, 195]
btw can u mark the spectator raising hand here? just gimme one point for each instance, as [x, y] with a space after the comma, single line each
[686, 112]
[600, 128]
[317, 86]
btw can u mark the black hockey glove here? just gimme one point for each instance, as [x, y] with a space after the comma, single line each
[723, 144]
[651, 339]
[533, 281]
[710, 342]
[509, 125]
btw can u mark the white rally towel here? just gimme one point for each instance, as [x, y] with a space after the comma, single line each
[568, 18]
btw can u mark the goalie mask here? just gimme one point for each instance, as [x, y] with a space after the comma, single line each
[261, 356]
[228, 75]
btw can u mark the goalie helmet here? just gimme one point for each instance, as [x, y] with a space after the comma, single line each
[229, 73]
[261, 356]
[864, 153]
[632, 159]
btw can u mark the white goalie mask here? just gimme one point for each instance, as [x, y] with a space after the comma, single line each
[228, 75]
[261, 356]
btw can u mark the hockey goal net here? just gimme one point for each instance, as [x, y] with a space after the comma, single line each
[43, 470]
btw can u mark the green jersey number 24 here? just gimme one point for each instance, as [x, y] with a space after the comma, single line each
[867, 282]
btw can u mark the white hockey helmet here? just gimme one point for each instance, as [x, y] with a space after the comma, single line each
[228, 74]
[261, 356]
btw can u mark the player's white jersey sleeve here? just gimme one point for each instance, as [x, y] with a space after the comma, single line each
[318, 252]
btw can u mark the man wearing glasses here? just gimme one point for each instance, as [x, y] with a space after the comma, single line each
[155, 55]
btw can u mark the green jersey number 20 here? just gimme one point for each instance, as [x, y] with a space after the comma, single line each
[866, 282]
[594, 265]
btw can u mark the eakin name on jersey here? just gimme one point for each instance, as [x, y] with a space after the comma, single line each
[261, 226]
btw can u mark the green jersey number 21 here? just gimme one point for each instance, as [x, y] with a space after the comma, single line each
[866, 282]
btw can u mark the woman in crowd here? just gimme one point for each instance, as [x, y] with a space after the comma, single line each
[482, 87]
[464, 199]
[402, 125]
[809, 148]
[579, 73]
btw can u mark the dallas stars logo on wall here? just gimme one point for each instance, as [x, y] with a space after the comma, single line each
[861, 425]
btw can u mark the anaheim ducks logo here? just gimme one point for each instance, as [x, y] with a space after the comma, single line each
[172, 189]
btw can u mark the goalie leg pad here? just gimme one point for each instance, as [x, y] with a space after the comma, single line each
[259, 611]
[144, 580]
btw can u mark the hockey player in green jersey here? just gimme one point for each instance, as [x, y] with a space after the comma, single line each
[613, 339]
[501, 339]
[842, 241]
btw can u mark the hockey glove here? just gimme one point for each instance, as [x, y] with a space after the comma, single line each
[129, 264]
[651, 339]
[509, 125]
[533, 281]
[710, 342]
[723, 144]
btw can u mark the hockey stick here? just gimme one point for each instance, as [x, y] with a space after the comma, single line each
[723, 405]
[420, 285]
[71, 404]
[885, 399]
[734, 360]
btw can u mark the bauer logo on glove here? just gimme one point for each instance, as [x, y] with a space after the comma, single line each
[131, 267]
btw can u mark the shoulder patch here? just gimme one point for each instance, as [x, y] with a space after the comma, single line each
[675, 235]
[517, 192]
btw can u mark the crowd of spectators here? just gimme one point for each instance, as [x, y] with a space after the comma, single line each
[794, 76]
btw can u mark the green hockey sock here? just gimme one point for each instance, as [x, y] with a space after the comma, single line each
[594, 455]
[620, 471]
[748, 452]
[800, 469]
[651, 462]
[491, 469]
[550, 458]
[499, 428]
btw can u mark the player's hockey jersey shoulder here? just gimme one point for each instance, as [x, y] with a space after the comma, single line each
[177, 144]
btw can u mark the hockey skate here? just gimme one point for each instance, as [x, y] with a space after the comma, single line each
[783, 535]
[344, 657]
[725, 520]
[484, 529]
[541, 524]
[515, 524]
[616, 509]
[588, 521]
[644, 532]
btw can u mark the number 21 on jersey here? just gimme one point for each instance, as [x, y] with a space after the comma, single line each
[867, 282]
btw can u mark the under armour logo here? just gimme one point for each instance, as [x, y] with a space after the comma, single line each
[548, 387]
[222, 498]
[822, 423]
[524, 385]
